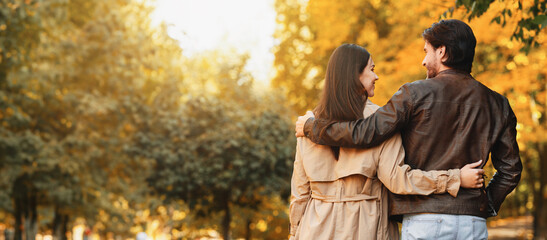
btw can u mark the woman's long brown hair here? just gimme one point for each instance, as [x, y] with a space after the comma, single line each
[343, 97]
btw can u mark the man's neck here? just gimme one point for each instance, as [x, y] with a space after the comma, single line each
[443, 67]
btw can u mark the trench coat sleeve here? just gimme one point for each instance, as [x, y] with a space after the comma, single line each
[300, 191]
[399, 178]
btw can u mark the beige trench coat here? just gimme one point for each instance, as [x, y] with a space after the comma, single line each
[348, 198]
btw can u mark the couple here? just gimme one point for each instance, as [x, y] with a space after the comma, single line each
[353, 153]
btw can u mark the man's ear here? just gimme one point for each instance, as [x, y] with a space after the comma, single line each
[441, 51]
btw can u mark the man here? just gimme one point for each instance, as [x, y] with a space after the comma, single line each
[446, 121]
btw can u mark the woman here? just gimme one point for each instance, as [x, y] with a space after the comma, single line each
[340, 193]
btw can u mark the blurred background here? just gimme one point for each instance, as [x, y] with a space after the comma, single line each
[173, 119]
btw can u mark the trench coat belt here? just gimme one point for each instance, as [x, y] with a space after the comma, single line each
[335, 199]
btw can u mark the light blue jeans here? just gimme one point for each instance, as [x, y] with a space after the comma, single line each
[443, 226]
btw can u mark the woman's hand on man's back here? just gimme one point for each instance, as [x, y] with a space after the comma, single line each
[471, 175]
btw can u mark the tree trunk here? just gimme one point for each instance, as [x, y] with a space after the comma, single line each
[3, 75]
[55, 225]
[532, 178]
[26, 209]
[20, 200]
[540, 201]
[31, 218]
[18, 219]
[64, 227]
[60, 222]
[248, 229]
[226, 221]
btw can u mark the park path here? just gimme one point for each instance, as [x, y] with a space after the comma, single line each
[511, 228]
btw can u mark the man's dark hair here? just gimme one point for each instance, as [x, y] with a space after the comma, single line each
[459, 40]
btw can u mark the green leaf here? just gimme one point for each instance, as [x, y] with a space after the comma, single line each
[540, 20]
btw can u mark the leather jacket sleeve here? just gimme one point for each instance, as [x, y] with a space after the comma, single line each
[506, 160]
[364, 133]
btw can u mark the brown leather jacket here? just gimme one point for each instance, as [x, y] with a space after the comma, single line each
[445, 122]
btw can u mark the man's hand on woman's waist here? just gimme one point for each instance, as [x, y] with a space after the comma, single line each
[299, 128]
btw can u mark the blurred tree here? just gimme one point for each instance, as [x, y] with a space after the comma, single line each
[19, 31]
[14, 46]
[67, 105]
[293, 55]
[226, 147]
[531, 17]
[268, 221]
[23, 154]
[85, 82]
